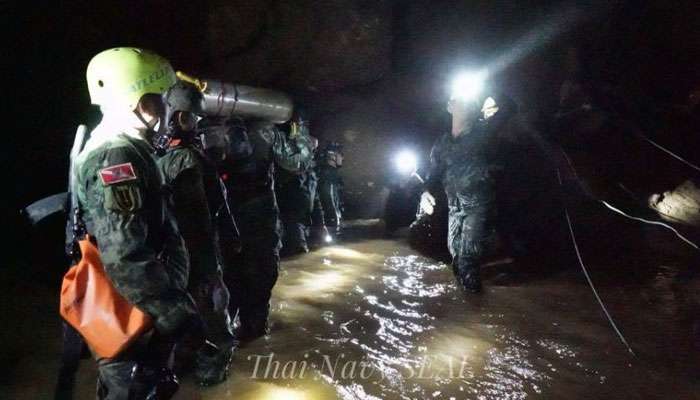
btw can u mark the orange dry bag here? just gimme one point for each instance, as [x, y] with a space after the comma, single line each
[89, 302]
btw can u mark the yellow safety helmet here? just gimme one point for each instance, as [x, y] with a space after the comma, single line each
[117, 78]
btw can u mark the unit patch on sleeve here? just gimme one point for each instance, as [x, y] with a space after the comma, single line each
[117, 173]
[124, 198]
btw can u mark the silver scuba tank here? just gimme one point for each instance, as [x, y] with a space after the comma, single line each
[222, 99]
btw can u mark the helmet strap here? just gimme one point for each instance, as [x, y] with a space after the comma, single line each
[143, 120]
[158, 138]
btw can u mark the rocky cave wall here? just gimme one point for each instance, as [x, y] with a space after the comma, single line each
[372, 73]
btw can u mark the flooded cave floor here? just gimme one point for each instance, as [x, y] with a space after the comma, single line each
[369, 318]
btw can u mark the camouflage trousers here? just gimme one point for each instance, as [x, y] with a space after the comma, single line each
[294, 207]
[471, 237]
[331, 202]
[251, 274]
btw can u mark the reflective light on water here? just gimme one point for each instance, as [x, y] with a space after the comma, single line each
[371, 320]
[381, 322]
[342, 252]
[328, 280]
[277, 393]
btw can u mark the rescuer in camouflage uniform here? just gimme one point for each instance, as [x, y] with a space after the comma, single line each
[295, 193]
[463, 163]
[120, 192]
[197, 198]
[330, 185]
[253, 152]
[318, 232]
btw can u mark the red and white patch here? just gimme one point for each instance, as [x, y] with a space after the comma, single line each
[117, 173]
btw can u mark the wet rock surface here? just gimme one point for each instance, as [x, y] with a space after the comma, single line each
[373, 73]
[681, 204]
[311, 45]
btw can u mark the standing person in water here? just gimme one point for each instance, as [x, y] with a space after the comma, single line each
[463, 164]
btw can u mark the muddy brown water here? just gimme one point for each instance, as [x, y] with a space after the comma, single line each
[371, 319]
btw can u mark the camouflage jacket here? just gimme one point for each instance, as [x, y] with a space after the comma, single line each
[466, 167]
[197, 197]
[120, 191]
[328, 175]
[296, 186]
[253, 173]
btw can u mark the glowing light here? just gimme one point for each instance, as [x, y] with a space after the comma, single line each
[406, 162]
[343, 252]
[327, 281]
[328, 239]
[278, 393]
[467, 86]
[490, 108]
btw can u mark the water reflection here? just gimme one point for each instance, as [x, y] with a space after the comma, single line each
[375, 321]
[371, 320]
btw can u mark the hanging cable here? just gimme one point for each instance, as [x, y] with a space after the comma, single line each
[670, 153]
[593, 289]
[646, 221]
[588, 277]
[609, 206]
[629, 192]
[575, 177]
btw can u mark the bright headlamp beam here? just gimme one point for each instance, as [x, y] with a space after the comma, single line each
[467, 86]
[406, 162]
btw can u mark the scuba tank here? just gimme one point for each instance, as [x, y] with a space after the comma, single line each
[227, 100]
